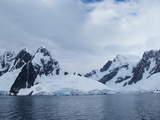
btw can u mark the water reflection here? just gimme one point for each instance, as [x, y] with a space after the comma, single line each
[22, 108]
[147, 107]
[109, 107]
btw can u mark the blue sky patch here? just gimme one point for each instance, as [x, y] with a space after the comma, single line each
[91, 1]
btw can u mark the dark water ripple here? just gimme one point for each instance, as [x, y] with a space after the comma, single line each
[109, 107]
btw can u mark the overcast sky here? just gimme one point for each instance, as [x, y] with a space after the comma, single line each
[81, 36]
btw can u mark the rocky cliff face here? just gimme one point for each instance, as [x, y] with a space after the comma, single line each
[21, 59]
[41, 63]
[148, 65]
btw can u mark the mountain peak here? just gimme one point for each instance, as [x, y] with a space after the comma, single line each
[126, 58]
[149, 63]
[22, 58]
[40, 64]
[43, 50]
[151, 54]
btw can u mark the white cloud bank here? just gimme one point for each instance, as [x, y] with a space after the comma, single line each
[80, 36]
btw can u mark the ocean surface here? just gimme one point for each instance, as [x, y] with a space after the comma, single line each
[100, 107]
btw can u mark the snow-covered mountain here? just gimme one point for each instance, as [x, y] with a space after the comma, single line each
[6, 61]
[122, 63]
[40, 74]
[131, 73]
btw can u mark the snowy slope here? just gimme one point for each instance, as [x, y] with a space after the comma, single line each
[151, 84]
[7, 80]
[65, 85]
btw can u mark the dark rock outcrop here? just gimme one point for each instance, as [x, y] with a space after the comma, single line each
[106, 66]
[21, 59]
[41, 63]
[112, 74]
[109, 76]
[78, 74]
[25, 79]
[145, 65]
[46, 63]
[90, 73]
[120, 79]
[66, 73]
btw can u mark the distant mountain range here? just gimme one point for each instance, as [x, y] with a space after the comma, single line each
[39, 74]
[128, 73]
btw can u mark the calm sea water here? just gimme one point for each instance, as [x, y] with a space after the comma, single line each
[108, 107]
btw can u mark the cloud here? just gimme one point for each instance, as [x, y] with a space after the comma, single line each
[81, 36]
[113, 49]
[153, 43]
[124, 24]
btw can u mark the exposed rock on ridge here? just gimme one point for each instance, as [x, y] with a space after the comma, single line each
[41, 63]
